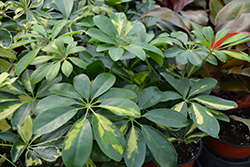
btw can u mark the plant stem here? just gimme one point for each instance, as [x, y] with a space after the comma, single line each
[112, 67]
[153, 70]
[183, 72]
[189, 75]
[85, 36]
[138, 9]
[7, 145]
[8, 160]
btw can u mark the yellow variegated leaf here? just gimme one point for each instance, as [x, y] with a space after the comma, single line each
[8, 108]
[181, 107]
[128, 27]
[4, 126]
[25, 131]
[31, 159]
[3, 77]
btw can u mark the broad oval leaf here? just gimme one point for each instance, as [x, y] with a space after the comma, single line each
[39, 73]
[82, 85]
[116, 53]
[52, 119]
[108, 137]
[26, 60]
[100, 36]
[216, 102]
[237, 55]
[167, 117]
[5, 38]
[19, 116]
[170, 95]
[65, 89]
[49, 154]
[202, 85]
[162, 149]
[67, 68]
[118, 93]
[122, 107]
[101, 84]
[77, 145]
[78, 61]
[8, 108]
[52, 71]
[57, 28]
[149, 97]
[9, 136]
[54, 101]
[17, 150]
[31, 159]
[136, 148]
[136, 50]
[205, 120]
[105, 24]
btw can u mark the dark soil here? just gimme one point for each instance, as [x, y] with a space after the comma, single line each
[235, 132]
[186, 152]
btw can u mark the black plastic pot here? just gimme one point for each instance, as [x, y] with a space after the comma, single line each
[210, 158]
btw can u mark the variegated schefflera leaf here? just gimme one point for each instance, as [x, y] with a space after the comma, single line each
[68, 101]
[203, 108]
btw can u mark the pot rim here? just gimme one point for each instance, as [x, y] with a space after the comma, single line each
[234, 145]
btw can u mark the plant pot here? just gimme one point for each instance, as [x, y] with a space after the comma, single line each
[227, 149]
[210, 158]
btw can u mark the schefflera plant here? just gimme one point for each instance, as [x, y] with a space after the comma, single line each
[194, 99]
[86, 103]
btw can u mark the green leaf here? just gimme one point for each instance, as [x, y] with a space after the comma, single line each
[4, 97]
[22, 43]
[220, 55]
[136, 148]
[205, 120]
[10, 137]
[101, 84]
[57, 28]
[149, 97]
[78, 61]
[170, 95]
[104, 47]
[235, 39]
[49, 154]
[67, 68]
[52, 119]
[26, 60]
[31, 159]
[118, 93]
[27, 81]
[161, 148]
[219, 115]
[181, 85]
[40, 60]
[17, 150]
[73, 33]
[82, 89]
[157, 58]
[72, 48]
[116, 53]
[172, 52]
[65, 7]
[108, 137]
[52, 71]
[40, 29]
[167, 117]
[237, 55]
[181, 107]
[119, 21]
[5, 38]
[198, 35]
[122, 107]
[149, 47]
[21, 114]
[39, 73]
[77, 145]
[54, 101]
[8, 108]
[136, 50]
[208, 33]
[221, 34]
[216, 102]
[25, 131]
[182, 57]
[194, 58]
[7, 53]
[106, 25]
[65, 89]
[100, 36]
[202, 85]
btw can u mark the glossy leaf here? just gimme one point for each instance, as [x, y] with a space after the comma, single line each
[17, 150]
[49, 154]
[78, 61]
[9, 136]
[181, 107]
[220, 55]
[31, 159]
[20, 115]
[118, 93]
[52, 119]
[58, 27]
[67, 68]
[82, 85]
[39, 73]
[116, 53]
[205, 120]
[100, 36]
[39, 29]
[202, 85]
[136, 148]
[25, 130]
[26, 60]
[215, 7]
[136, 50]
[237, 55]
[66, 90]
[150, 48]
[53, 70]
[161, 148]
[208, 33]
[232, 10]
[4, 97]
[167, 117]
[121, 107]
[5, 38]
[216, 102]
[77, 144]
[64, 6]
[101, 84]
[106, 25]
[219, 115]
[119, 20]
[149, 97]
[108, 137]
[54, 101]
[8, 108]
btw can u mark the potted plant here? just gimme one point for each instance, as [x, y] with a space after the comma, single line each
[88, 82]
